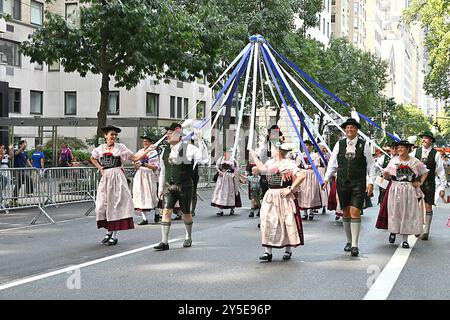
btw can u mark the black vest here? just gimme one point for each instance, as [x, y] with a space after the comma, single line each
[386, 161]
[351, 169]
[179, 172]
[430, 164]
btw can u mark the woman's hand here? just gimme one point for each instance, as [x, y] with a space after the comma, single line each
[102, 172]
[417, 184]
[285, 192]
[137, 164]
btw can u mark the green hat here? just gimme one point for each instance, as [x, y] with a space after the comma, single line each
[428, 134]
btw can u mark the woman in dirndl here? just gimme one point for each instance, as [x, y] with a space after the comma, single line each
[145, 190]
[113, 206]
[400, 209]
[309, 193]
[226, 193]
[281, 225]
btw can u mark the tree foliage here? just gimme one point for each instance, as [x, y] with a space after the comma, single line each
[408, 120]
[434, 17]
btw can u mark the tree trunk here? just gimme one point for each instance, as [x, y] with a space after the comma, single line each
[101, 114]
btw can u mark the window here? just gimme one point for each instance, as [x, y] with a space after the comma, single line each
[11, 7]
[36, 102]
[113, 103]
[15, 98]
[10, 53]
[355, 23]
[333, 2]
[70, 103]
[323, 29]
[180, 108]
[38, 66]
[320, 18]
[54, 66]
[172, 106]
[328, 29]
[201, 110]
[71, 14]
[152, 106]
[333, 18]
[37, 10]
[186, 107]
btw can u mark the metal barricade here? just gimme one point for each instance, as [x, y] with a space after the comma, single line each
[19, 188]
[206, 175]
[64, 185]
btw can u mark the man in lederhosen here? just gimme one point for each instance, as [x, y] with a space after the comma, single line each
[177, 161]
[351, 160]
[432, 159]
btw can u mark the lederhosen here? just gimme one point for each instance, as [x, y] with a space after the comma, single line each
[429, 186]
[351, 175]
[177, 181]
[383, 191]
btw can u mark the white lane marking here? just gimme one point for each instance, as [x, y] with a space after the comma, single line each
[78, 266]
[382, 287]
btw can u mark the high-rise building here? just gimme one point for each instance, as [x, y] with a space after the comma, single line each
[373, 27]
[348, 20]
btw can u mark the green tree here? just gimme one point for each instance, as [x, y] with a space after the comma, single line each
[434, 16]
[443, 123]
[408, 120]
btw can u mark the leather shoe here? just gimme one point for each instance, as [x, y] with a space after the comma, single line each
[187, 243]
[287, 256]
[251, 215]
[161, 246]
[405, 245]
[106, 238]
[354, 251]
[157, 217]
[143, 223]
[112, 241]
[392, 238]
[336, 218]
[348, 247]
[232, 212]
[311, 216]
[425, 236]
[220, 213]
[266, 257]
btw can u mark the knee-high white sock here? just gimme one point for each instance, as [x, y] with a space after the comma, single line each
[428, 219]
[355, 226]
[405, 237]
[288, 249]
[188, 227]
[347, 229]
[165, 228]
[143, 215]
[114, 235]
[268, 250]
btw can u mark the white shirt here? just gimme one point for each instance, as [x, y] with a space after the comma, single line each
[333, 164]
[440, 171]
[192, 154]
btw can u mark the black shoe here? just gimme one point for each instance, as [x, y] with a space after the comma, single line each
[354, 251]
[311, 216]
[348, 247]
[336, 218]
[143, 222]
[251, 215]
[112, 241]
[425, 236]
[405, 245]
[266, 257]
[193, 213]
[157, 217]
[220, 213]
[161, 246]
[305, 217]
[187, 243]
[232, 212]
[287, 255]
[323, 210]
[392, 238]
[106, 238]
[259, 225]
[257, 214]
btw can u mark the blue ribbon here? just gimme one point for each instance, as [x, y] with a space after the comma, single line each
[325, 90]
[291, 100]
[269, 67]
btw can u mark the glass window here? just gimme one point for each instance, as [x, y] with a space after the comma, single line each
[54, 66]
[70, 103]
[172, 106]
[36, 102]
[323, 29]
[328, 29]
[113, 103]
[152, 107]
[201, 110]
[71, 13]
[333, 18]
[180, 108]
[15, 98]
[186, 107]
[11, 7]
[37, 10]
[333, 2]
[9, 52]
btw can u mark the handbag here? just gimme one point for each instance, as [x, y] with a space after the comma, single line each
[216, 176]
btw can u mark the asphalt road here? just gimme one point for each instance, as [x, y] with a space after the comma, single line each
[222, 263]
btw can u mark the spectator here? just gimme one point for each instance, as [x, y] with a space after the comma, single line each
[5, 157]
[21, 161]
[65, 156]
[37, 158]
